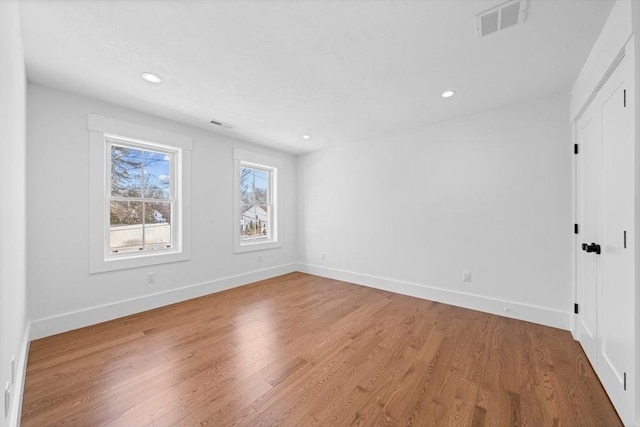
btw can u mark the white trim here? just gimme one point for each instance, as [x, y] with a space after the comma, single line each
[615, 34]
[614, 64]
[634, 102]
[127, 130]
[576, 237]
[101, 128]
[257, 159]
[21, 374]
[526, 312]
[90, 316]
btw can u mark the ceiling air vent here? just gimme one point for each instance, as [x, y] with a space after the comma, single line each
[500, 17]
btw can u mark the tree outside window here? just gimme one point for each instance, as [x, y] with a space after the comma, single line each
[140, 200]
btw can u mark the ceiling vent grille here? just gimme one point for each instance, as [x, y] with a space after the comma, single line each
[500, 17]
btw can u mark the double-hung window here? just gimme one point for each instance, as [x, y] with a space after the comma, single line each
[139, 195]
[256, 201]
[141, 199]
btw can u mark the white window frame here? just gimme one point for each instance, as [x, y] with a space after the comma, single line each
[102, 132]
[176, 159]
[273, 166]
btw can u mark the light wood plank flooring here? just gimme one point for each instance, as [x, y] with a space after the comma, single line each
[300, 350]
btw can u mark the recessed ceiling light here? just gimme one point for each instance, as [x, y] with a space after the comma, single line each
[448, 93]
[305, 137]
[151, 78]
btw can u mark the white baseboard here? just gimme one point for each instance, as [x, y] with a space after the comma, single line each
[77, 319]
[90, 316]
[527, 312]
[21, 373]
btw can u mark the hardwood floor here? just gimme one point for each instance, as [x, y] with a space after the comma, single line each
[300, 350]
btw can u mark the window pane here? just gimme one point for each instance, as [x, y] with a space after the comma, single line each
[254, 199]
[125, 229]
[126, 171]
[157, 228]
[157, 175]
[254, 222]
[254, 185]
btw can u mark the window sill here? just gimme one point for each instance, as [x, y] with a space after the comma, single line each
[257, 246]
[113, 263]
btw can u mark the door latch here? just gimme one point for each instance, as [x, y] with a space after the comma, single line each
[591, 248]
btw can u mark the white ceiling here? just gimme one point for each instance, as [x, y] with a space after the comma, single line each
[339, 71]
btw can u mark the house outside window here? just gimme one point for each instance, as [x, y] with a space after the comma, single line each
[256, 208]
[256, 201]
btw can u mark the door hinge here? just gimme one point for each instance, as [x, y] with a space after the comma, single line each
[624, 98]
[575, 148]
[575, 308]
[624, 381]
[575, 228]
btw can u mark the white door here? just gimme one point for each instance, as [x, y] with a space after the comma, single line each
[589, 172]
[616, 294]
[605, 181]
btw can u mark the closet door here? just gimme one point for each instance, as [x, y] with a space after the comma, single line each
[616, 291]
[605, 260]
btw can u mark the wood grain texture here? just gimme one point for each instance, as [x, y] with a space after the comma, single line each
[300, 350]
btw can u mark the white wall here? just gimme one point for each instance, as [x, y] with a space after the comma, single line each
[12, 205]
[488, 193]
[62, 293]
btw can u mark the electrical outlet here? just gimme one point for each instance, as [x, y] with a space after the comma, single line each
[13, 369]
[151, 278]
[466, 276]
